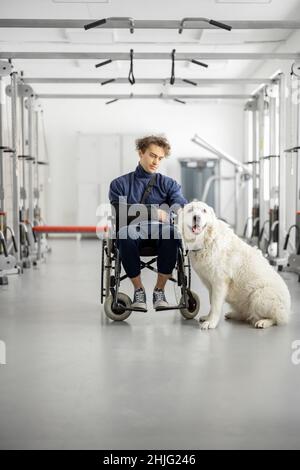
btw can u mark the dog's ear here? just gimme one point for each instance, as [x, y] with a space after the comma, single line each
[210, 232]
[181, 218]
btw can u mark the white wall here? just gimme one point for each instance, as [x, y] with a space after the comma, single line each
[220, 123]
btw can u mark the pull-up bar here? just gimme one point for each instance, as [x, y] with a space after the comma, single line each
[114, 22]
[182, 56]
[142, 24]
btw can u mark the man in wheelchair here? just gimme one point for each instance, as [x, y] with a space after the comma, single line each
[146, 186]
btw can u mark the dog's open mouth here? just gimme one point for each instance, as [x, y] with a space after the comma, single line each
[196, 229]
[196, 225]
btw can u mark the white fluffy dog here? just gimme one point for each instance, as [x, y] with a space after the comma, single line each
[233, 271]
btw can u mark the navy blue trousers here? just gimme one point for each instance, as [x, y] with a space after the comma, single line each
[163, 236]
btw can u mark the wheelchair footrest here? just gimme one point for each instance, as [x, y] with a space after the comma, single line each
[170, 307]
[137, 309]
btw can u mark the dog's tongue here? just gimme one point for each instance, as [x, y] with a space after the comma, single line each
[196, 229]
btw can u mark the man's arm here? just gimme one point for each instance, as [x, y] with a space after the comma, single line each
[175, 201]
[116, 191]
[175, 196]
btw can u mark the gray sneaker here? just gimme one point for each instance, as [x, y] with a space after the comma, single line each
[159, 299]
[139, 300]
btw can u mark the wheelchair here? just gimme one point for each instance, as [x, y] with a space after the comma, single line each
[117, 305]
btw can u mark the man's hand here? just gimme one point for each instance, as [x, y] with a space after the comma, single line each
[163, 216]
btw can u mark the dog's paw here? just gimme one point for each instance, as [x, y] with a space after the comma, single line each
[208, 325]
[203, 318]
[264, 323]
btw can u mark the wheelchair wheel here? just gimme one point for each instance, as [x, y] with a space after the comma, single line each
[193, 305]
[106, 265]
[121, 315]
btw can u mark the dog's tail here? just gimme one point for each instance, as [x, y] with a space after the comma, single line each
[269, 303]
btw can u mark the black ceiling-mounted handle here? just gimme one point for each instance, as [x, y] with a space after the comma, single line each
[179, 101]
[131, 78]
[220, 25]
[197, 62]
[109, 61]
[103, 21]
[172, 79]
[112, 101]
[94, 24]
[190, 82]
[108, 81]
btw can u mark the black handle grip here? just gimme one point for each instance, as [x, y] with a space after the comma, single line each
[3, 243]
[179, 101]
[95, 24]
[220, 25]
[14, 243]
[190, 82]
[103, 63]
[194, 61]
[112, 101]
[286, 241]
[108, 81]
[34, 235]
[261, 234]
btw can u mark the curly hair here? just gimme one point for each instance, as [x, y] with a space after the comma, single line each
[159, 140]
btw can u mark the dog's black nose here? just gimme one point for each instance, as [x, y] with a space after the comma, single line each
[196, 220]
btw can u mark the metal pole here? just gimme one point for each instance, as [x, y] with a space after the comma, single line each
[31, 152]
[297, 156]
[180, 56]
[1, 152]
[236, 198]
[36, 193]
[273, 149]
[261, 151]
[160, 96]
[282, 165]
[218, 189]
[109, 23]
[273, 172]
[22, 163]
[255, 158]
[158, 81]
[220, 153]
[15, 163]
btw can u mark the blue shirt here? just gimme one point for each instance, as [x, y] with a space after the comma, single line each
[132, 185]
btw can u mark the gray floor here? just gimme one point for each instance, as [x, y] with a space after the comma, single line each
[75, 380]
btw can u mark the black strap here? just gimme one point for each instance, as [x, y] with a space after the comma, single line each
[148, 189]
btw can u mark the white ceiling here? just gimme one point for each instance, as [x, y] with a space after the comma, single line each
[117, 40]
[154, 9]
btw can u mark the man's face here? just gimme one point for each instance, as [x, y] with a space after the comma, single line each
[151, 158]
